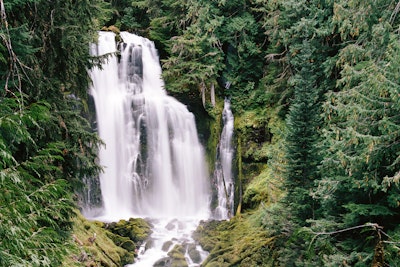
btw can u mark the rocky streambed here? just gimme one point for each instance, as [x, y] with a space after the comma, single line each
[135, 242]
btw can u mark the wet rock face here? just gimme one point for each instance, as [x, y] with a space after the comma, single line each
[193, 253]
[164, 262]
[175, 224]
[167, 245]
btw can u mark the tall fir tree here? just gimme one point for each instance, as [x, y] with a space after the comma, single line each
[302, 157]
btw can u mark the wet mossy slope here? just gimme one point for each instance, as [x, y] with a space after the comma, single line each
[238, 242]
[105, 244]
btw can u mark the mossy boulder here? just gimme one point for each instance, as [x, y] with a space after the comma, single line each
[177, 255]
[176, 258]
[122, 241]
[136, 229]
[106, 244]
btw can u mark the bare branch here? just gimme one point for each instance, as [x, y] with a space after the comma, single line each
[394, 14]
[375, 226]
[275, 56]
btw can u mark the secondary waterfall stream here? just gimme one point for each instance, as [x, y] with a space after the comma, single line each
[154, 165]
[223, 174]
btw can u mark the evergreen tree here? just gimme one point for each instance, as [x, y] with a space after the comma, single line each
[359, 184]
[36, 205]
[302, 157]
[361, 163]
[46, 145]
[196, 55]
[300, 34]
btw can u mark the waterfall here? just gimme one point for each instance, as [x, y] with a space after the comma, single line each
[154, 164]
[223, 167]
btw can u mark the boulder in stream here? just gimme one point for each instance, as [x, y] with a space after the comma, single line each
[177, 254]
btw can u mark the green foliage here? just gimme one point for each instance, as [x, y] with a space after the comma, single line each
[46, 145]
[363, 125]
[354, 58]
[129, 15]
[35, 205]
[302, 136]
[196, 55]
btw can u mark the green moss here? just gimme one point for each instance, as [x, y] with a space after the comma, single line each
[215, 126]
[239, 178]
[136, 229]
[122, 241]
[238, 242]
[253, 127]
[94, 247]
[177, 255]
[106, 244]
[263, 189]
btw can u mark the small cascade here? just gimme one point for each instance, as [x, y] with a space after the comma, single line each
[154, 164]
[223, 174]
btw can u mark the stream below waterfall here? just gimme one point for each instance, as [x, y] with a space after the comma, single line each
[167, 235]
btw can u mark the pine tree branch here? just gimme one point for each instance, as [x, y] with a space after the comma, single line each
[14, 60]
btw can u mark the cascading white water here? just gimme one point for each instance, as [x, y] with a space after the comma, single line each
[111, 103]
[154, 163]
[223, 168]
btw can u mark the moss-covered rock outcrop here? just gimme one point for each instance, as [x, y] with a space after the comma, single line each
[238, 242]
[106, 244]
[136, 229]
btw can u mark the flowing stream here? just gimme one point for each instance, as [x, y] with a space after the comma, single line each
[223, 174]
[154, 163]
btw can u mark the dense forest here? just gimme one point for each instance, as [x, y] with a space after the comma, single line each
[315, 89]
